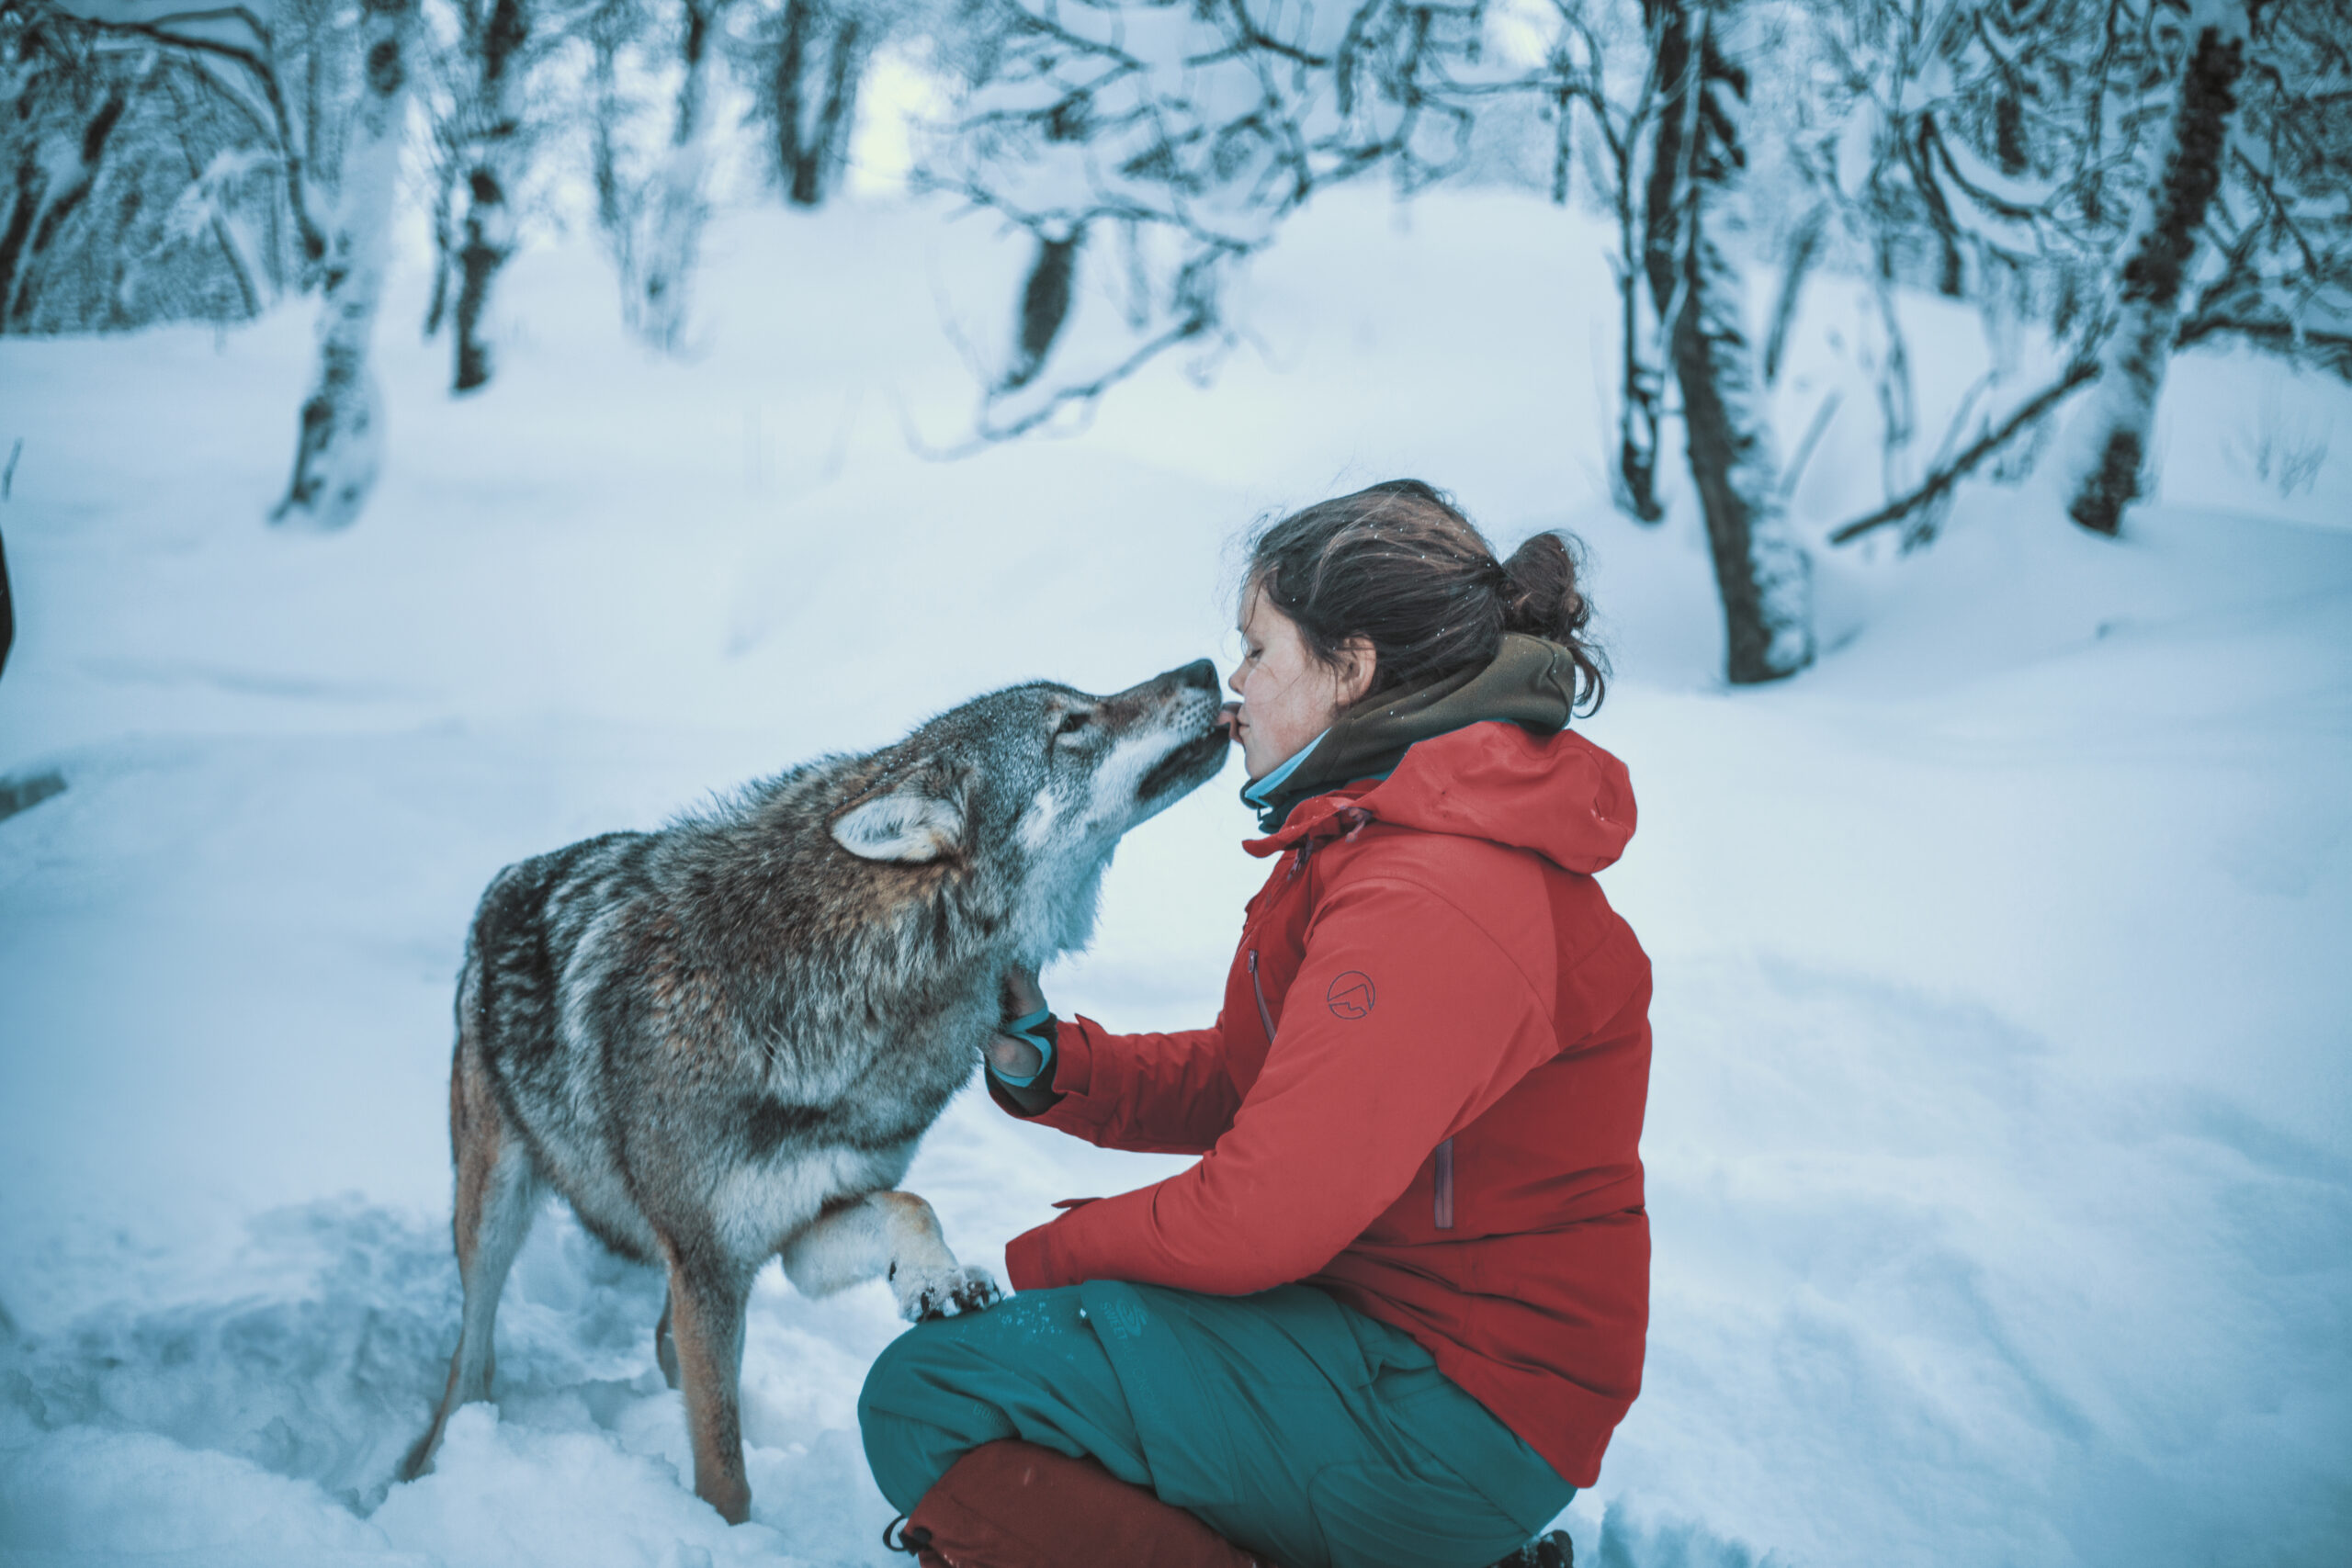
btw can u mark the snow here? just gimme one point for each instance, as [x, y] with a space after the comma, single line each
[1998, 1143]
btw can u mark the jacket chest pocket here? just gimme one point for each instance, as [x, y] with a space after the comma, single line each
[1273, 942]
[1258, 995]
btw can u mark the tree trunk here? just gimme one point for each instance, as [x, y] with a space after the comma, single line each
[2112, 445]
[1763, 575]
[666, 258]
[812, 124]
[46, 197]
[8, 606]
[612, 208]
[444, 244]
[1641, 385]
[487, 236]
[341, 437]
[1045, 306]
[1641, 407]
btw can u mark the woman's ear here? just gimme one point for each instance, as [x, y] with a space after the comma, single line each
[1359, 662]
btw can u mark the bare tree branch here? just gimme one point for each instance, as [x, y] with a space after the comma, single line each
[1939, 484]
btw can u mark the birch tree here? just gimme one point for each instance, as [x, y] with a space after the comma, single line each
[53, 173]
[2280, 225]
[1599, 72]
[2112, 430]
[1763, 575]
[339, 440]
[1161, 146]
[2051, 136]
[150, 166]
[664, 255]
[1156, 147]
[816, 52]
[489, 183]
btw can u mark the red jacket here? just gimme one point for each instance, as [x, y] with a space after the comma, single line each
[1424, 1093]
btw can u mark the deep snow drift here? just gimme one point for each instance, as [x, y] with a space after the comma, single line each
[1998, 1143]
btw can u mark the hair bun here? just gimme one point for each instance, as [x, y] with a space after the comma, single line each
[1542, 598]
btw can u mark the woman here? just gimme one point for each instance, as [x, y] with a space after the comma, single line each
[1395, 1310]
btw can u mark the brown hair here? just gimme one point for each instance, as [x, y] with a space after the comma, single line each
[1399, 565]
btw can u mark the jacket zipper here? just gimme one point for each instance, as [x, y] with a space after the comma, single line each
[1445, 1185]
[1264, 1017]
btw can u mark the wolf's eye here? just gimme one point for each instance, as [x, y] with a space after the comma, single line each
[1072, 723]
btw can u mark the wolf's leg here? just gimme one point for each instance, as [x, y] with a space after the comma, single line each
[705, 1317]
[498, 1194]
[891, 1236]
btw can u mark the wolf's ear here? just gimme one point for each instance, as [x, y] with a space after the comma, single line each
[913, 823]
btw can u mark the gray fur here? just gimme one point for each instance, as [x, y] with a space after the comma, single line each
[723, 1040]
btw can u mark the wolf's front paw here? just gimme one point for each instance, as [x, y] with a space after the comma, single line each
[924, 1294]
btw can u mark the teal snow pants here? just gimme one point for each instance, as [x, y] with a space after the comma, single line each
[1293, 1425]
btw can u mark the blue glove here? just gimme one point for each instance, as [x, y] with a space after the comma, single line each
[1038, 1029]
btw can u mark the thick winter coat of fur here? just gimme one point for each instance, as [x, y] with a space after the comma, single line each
[721, 1041]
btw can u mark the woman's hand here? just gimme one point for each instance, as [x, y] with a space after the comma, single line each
[1013, 1057]
[1009, 1053]
[1022, 996]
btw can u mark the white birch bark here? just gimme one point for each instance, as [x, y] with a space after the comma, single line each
[341, 437]
[1763, 575]
[665, 257]
[493, 179]
[2108, 442]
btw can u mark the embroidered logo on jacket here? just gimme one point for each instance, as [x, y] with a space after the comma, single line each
[1350, 995]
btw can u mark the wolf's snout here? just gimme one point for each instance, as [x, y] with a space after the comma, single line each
[1186, 701]
[1190, 692]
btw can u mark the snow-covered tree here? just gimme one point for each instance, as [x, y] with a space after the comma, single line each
[1159, 145]
[1590, 67]
[339, 440]
[2046, 140]
[492, 139]
[675, 207]
[2111, 431]
[151, 168]
[2280, 278]
[808, 59]
[1762, 573]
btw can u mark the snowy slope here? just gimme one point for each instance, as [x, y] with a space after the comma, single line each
[1998, 1137]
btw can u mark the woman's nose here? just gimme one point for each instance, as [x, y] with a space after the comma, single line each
[1234, 681]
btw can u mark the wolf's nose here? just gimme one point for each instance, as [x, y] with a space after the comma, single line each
[1200, 672]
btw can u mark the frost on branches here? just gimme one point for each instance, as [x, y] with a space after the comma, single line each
[1154, 147]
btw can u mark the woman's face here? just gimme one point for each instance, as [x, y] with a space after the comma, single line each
[1288, 696]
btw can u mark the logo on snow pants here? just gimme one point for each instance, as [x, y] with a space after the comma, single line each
[1350, 995]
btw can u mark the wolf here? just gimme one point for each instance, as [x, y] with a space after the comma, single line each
[721, 1041]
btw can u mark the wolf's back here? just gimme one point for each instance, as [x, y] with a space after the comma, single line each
[531, 919]
[530, 964]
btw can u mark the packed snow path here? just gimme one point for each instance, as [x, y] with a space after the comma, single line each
[1997, 1144]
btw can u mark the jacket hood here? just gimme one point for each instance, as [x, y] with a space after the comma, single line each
[1528, 681]
[1558, 795]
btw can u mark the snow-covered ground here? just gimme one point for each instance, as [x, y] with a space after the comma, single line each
[1998, 1137]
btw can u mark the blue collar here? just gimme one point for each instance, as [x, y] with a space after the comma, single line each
[1256, 794]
